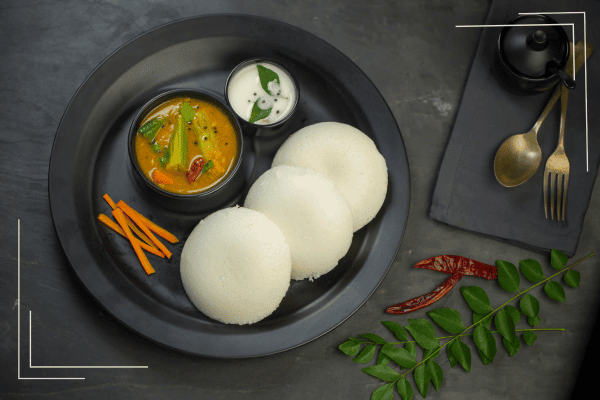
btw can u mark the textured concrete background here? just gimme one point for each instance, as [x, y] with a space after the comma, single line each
[419, 62]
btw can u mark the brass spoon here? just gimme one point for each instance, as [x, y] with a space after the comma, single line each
[518, 158]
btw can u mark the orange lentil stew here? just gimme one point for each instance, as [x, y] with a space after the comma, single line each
[186, 145]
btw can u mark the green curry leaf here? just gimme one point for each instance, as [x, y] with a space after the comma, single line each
[448, 319]
[508, 276]
[422, 379]
[462, 354]
[555, 290]
[400, 356]
[411, 348]
[382, 372]
[484, 359]
[485, 342]
[267, 75]
[384, 392]
[349, 348]
[156, 147]
[423, 332]
[529, 305]
[505, 323]
[532, 270]
[374, 338]
[512, 345]
[404, 389]
[382, 358]
[435, 373]
[529, 337]
[258, 113]
[187, 112]
[398, 330]
[558, 259]
[572, 278]
[208, 166]
[366, 354]
[165, 158]
[477, 299]
[514, 313]
[451, 357]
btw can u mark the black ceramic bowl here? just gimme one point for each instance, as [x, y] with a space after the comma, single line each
[244, 64]
[229, 186]
[521, 70]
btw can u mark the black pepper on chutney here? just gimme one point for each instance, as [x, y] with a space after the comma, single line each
[186, 145]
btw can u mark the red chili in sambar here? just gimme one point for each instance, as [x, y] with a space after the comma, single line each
[180, 135]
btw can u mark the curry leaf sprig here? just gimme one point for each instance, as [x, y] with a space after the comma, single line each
[505, 318]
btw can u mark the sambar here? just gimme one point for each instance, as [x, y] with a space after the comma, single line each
[186, 145]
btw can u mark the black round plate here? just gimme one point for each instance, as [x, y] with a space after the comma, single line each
[89, 158]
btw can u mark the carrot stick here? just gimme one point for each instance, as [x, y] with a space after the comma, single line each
[120, 217]
[130, 223]
[163, 233]
[160, 177]
[109, 201]
[128, 211]
[117, 228]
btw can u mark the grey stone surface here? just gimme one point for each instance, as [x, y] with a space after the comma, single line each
[416, 58]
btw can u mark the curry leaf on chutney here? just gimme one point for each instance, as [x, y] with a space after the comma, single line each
[259, 113]
[267, 75]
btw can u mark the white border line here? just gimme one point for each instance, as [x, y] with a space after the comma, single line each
[19, 310]
[19, 327]
[587, 155]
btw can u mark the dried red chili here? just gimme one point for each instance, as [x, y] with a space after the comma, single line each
[467, 266]
[195, 169]
[427, 299]
[457, 266]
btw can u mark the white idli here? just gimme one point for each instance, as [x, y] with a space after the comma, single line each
[313, 215]
[236, 266]
[348, 157]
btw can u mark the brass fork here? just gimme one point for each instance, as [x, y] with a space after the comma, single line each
[558, 167]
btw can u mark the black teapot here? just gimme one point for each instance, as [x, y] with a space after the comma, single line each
[531, 55]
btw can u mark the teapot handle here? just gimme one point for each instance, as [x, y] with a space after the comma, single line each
[552, 66]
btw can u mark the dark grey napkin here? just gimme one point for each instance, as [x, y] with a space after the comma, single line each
[467, 194]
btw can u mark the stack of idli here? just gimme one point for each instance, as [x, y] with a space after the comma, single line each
[327, 181]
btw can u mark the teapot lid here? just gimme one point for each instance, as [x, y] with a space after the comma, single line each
[527, 49]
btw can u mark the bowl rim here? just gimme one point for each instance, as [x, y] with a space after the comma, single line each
[256, 60]
[520, 75]
[195, 93]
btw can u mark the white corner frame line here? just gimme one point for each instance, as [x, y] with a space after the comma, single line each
[19, 377]
[587, 153]
[30, 329]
